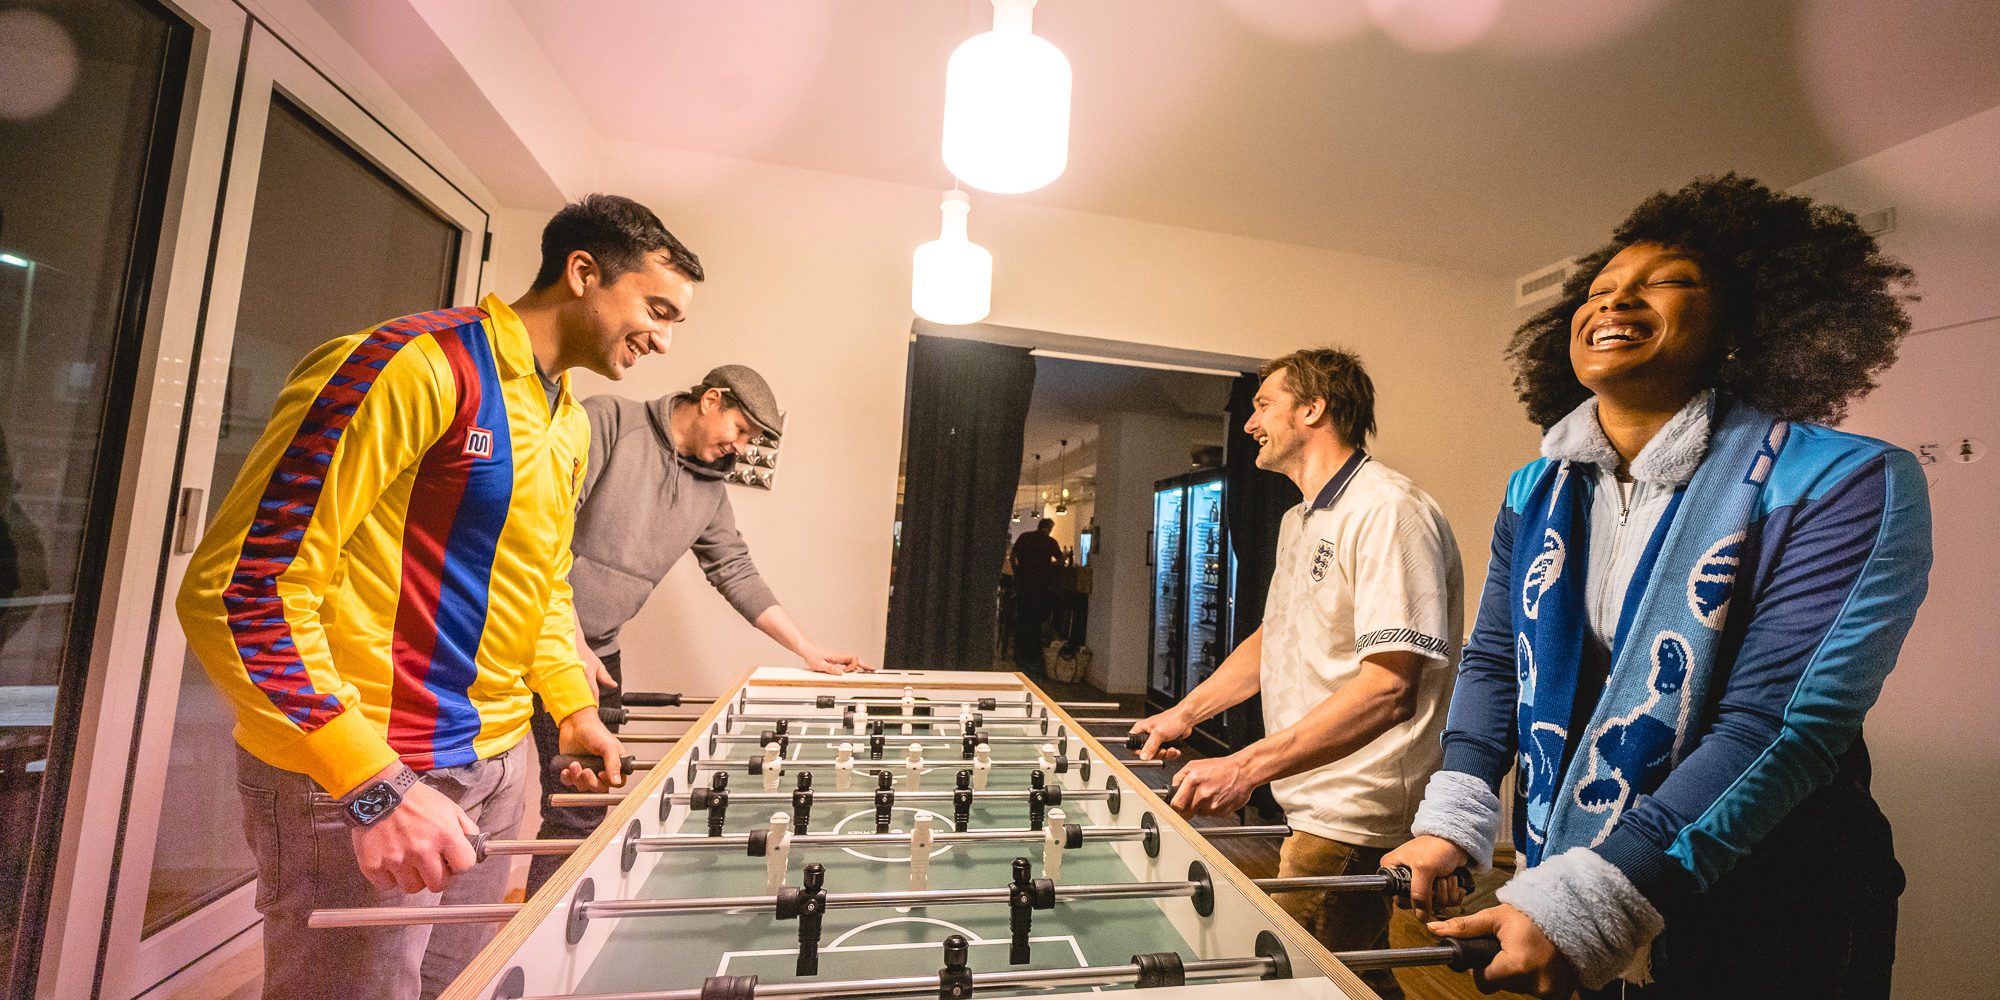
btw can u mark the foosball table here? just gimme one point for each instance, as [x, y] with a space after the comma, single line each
[922, 833]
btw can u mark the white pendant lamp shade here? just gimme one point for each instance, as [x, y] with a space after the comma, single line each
[1006, 106]
[951, 279]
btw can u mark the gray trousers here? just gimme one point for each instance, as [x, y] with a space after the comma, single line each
[305, 861]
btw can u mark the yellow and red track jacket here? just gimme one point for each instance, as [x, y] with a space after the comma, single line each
[389, 577]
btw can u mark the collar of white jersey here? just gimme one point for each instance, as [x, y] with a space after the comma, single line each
[1330, 493]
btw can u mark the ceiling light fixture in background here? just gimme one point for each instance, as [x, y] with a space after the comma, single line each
[951, 277]
[1006, 105]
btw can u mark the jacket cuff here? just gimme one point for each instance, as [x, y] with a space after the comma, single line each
[566, 691]
[1594, 915]
[1460, 808]
[341, 754]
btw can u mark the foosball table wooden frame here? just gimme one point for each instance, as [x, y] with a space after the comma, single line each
[545, 948]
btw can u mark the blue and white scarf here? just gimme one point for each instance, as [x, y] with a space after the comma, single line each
[1663, 656]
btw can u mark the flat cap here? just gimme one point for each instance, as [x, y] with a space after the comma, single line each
[752, 393]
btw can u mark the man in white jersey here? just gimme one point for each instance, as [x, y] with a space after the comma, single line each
[1354, 659]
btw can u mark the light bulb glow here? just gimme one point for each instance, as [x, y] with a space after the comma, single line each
[1006, 106]
[8, 258]
[951, 277]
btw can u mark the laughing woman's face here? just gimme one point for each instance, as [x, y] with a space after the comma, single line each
[1646, 332]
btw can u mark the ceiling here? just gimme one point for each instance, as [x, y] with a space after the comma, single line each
[1487, 135]
[1072, 396]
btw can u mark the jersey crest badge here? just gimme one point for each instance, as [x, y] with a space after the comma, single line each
[478, 443]
[1322, 558]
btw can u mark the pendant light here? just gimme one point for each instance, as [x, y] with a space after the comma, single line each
[951, 277]
[1062, 478]
[1006, 105]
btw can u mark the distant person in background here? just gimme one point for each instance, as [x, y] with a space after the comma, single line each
[1037, 560]
[653, 491]
[23, 565]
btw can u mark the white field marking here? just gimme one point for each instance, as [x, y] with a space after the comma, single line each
[839, 944]
[841, 827]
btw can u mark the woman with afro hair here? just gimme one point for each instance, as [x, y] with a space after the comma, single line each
[1694, 597]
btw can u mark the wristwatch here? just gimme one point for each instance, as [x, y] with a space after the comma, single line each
[377, 799]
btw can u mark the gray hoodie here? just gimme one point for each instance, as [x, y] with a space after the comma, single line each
[643, 507]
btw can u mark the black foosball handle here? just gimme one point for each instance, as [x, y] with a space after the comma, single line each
[651, 699]
[590, 761]
[1137, 741]
[1399, 877]
[1470, 954]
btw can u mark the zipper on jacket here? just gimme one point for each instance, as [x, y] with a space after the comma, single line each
[1617, 536]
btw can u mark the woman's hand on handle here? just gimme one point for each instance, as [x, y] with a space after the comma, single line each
[1528, 961]
[1431, 861]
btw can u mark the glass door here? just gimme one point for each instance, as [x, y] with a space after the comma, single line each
[1169, 559]
[1204, 648]
[328, 225]
[86, 132]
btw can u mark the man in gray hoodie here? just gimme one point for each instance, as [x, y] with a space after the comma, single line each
[653, 490]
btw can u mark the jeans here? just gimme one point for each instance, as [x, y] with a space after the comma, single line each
[1341, 921]
[305, 861]
[569, 822]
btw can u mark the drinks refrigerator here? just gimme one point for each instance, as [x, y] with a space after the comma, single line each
[1193, 626]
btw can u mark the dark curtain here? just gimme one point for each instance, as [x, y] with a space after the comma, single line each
[968, 405]
[1257, 501]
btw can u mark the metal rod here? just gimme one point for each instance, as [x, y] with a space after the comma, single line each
[650, 737]
[1326, 883]
[897, 719]
[862, 738]
[503, 847]
[695, 841]
[638, 716]
[1109, 721]
[1098, 975]
[866, 764]
[908, 897]
[1396, 958]
[403, 916]
[927, 795]
[1240, 832]
[1024, 700]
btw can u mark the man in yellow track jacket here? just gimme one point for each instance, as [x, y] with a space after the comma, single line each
[387, 583]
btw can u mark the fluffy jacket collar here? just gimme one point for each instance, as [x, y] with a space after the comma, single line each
[1669, 459]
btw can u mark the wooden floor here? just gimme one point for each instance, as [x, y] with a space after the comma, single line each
[1259, 859]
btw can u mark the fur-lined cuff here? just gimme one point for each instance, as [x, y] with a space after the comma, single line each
[1590, 910]
[1461, 809]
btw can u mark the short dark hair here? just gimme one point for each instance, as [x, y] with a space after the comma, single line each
[1046, 523]
[1808, 308]
[1336, 376]
[617, 233]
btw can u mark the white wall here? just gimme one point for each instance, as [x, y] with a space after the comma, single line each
[1134, 450]
[809, 283]
[1935, 735]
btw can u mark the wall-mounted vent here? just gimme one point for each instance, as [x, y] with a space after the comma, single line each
[1541, 286]
[1878, 223]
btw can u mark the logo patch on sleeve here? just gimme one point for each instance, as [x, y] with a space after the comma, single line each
[478, 443]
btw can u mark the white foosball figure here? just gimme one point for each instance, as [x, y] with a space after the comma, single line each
[982, 766]
[1053, 832]
[920, 852]
[913, 767]
[964, 714]
[1045, 757]
[774, 766]
[777, 851]
[857, 718]
[909, 708]
[843, 767]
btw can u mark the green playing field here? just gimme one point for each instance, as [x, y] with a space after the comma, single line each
[679, 951]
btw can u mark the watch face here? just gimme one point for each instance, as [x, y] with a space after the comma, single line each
[371, 804]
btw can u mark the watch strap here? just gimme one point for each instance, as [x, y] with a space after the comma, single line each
[398, 783]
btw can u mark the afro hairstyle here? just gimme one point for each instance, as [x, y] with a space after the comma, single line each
[1809, 310]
